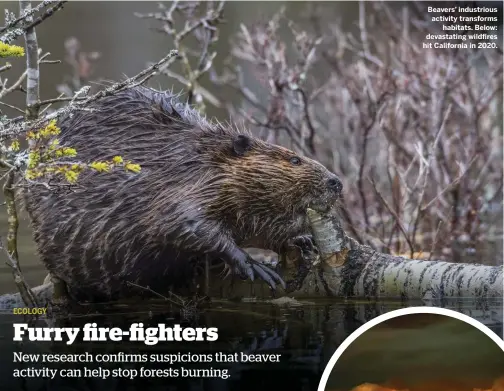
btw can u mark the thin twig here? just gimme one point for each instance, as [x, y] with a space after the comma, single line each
[12, 107]
[393, 213]
[25, 15]
[32, 65]
[16, 126]
[148, 289]
[15, 28]
[5, 67]
[47, 13]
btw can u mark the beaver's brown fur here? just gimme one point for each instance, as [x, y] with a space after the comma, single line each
[204, 188]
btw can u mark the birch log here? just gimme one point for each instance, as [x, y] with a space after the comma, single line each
[346, 269]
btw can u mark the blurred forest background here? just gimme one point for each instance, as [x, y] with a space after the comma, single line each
[415, 134]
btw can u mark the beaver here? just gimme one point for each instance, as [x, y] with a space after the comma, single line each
[204, 189]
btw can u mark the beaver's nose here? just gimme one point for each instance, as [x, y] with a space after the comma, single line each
[335, 184]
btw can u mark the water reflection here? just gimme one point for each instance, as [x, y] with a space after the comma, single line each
[305, 336]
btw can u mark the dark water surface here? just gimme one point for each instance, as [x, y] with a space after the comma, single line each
[306, 336]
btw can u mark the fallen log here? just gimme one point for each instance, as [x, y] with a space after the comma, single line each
[348, 269]
[344, 268]
[42, 293]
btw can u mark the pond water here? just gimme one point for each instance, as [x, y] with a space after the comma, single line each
[305, 336]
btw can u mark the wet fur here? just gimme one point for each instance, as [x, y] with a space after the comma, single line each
[204, 187]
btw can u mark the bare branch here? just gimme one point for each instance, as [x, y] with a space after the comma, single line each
[16, 27]
[47, 13]
[32, 65]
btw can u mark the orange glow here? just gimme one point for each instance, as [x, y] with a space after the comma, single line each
[498, 385]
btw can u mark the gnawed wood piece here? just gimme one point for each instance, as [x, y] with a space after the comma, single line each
[330, 238]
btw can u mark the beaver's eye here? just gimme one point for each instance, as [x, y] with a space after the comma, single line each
[295, 161]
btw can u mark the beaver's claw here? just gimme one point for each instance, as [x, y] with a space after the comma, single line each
[265, 273]
[245, 266]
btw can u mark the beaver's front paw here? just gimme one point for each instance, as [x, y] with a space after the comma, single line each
[300, 262]
[306, 245]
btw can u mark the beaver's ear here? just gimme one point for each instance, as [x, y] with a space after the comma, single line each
[241, 144]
